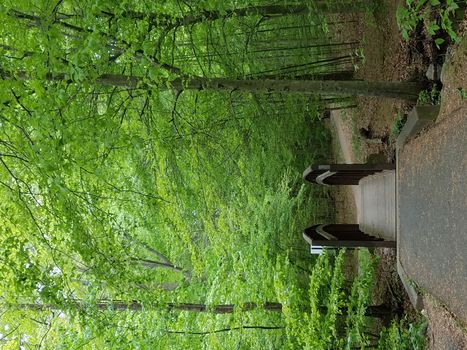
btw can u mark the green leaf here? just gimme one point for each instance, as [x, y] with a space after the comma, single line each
[432, 28]
[438, 42]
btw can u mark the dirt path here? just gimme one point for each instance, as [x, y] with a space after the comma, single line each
[344, 138]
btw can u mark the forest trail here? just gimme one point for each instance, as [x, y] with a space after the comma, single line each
[433, 250]
[389, 58]
[345, 141]
[432, 203]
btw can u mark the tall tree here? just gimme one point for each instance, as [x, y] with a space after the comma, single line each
[163, 74]
[126, 176]
[403, 90]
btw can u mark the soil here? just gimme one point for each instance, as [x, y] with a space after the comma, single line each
[389, 57]
[444, 331]
[454, 78]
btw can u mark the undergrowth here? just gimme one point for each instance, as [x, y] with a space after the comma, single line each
[335, 317]
[212, 179]
[403, 335]
[438, 17]
[397, 125]
[429, 97]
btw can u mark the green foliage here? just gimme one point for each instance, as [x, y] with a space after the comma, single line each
[462, 93]
[313, 325]
[333, 318]
[408, 17]
[397, 125]
[436, 16]
[403, 335]
[429, 97]
[359, 58]
[116, 193]
[359, 299]
[121, 196]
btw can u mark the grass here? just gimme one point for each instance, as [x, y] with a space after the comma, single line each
[397, 125]
[462, 93]
[356, 140]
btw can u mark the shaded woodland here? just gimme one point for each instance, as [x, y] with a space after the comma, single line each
[150, 174]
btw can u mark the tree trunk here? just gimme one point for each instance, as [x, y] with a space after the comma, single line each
[224, 309]
[137, 306]
[403, 90]
[393, 89]
[379, 311]
[265, 11]
[157, 264]
[227, 330]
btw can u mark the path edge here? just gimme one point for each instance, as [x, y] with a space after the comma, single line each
[417, 120]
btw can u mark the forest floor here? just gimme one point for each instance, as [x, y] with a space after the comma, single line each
[389, 57]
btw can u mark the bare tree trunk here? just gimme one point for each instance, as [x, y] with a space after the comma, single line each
[167, 286]
[393, 89]
[340, 76]
[379, 311]
[190, 19]
[228, 330]
[137, 306]
[161, 265]
[403, 90]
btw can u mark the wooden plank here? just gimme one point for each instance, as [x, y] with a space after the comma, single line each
[342, 174]
[325, 234]
[352, 244]
[378, 205]
[341, 236]
[361, 167]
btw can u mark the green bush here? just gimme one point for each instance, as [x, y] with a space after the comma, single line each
[434, 14]
[404, 336]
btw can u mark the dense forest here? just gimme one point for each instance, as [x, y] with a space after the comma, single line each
[150, 178]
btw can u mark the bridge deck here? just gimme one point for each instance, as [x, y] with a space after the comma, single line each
[378, 205]
[432, 196]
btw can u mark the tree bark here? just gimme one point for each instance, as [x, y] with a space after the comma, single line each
[379, 311]
[392, 89]
[227, 330]
[138, 306]
[265, 11]
[167, 286]
[403, 90]
[157, 264]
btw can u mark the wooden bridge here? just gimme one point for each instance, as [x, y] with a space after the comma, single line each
[377, 222]
[420, 205]
[378, 219]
